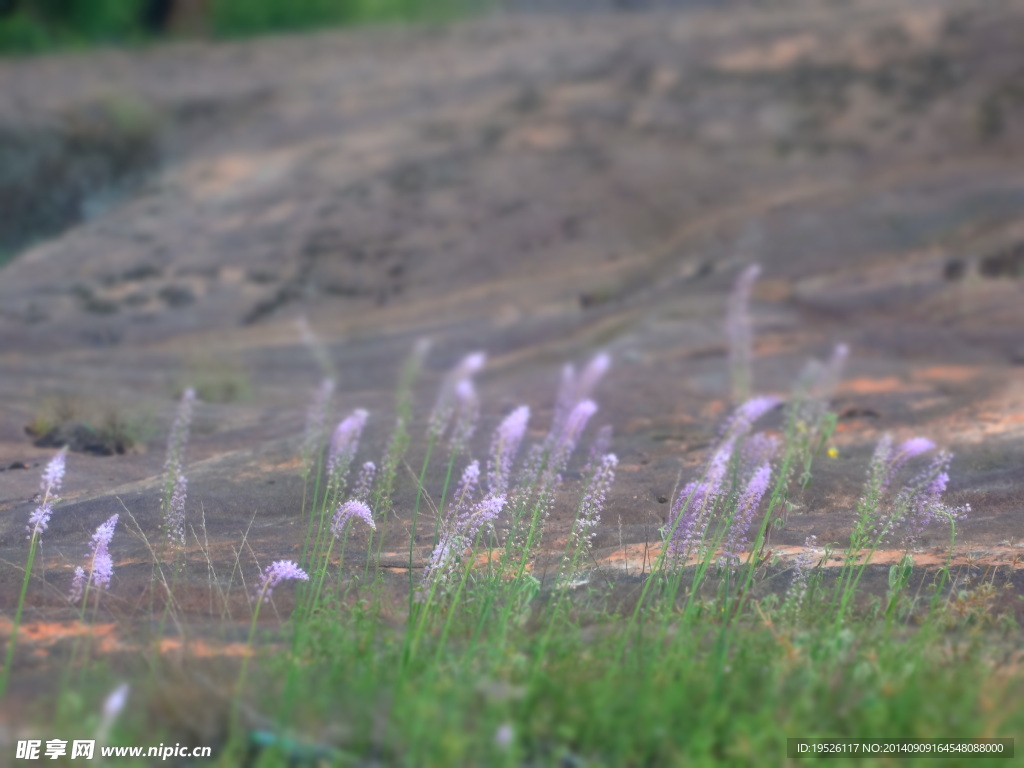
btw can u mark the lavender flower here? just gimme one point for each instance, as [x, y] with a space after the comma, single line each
[739, 330]
[178, 437]
[50, 484]
[747, 505]
[592, 375]
[347, 511]
[566, 441]
[275, 573]
[461, 531]
[756, 450]
[598, 449]
[504, 447]
[447, 399]
[344, 444]
[504, 736]
[112, 707]
[887, 461]
[101, 565]
[575, 389]
[174, 517]
[589, 513]
[691, 512]
[482, 518]
[175, 485]
[802, 574]
[919, 502]
[743, 418]
[467, 414]
[814, 390]
[465, 491]
[361, 491]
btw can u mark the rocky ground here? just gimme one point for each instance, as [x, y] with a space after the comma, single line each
[539, 187]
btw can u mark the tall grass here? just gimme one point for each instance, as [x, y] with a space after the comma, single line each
[493, 650]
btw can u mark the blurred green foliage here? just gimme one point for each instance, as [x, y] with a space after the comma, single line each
[33, 26]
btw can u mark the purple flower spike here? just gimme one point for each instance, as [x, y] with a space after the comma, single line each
[101, 565]
[758, 449]
[465, 491]
[364, 483]
[51, 482]
[78, 584]
[919, 503]
[275, 573]
[691, 512]
[467, 414]
[504, 448]
[747, 505]
[344, 444]
[887, 461]
[483, 517]
[589, 515]
[347, 511]
[174, 520]
[448, 399]
[592, 375]
[744, 417]
[460, 534]
[566, 442]
[574, 389]
[598, 449]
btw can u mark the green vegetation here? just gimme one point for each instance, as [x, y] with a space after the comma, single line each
[36, 26]
[474, 645]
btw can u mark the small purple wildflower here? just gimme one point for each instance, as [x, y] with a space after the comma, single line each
[887, 461]
[566, 442]
[589, 513]
[757, 450]
[174, 519]
[467, 414]
[598, 448]
[575, 389]
[361, 491]
[504, 448]
[919, 502]
[177, 439]
[592, 374]
[504, 736]
[347, 511]
[802, 567]
[691, 512]
[482, 518]
[738, 328]
[564, 400]
[101, 565]
[461, 532]
[78, 584]
[112, 707]
[344, 444]
[743, 418]
[275, 573]
[448, 397]
[750, 499]
[175, 485]
[51, 482]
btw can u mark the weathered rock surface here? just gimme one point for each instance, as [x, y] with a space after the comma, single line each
[540, 188]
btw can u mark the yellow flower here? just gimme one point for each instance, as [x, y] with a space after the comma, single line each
[833, 452]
